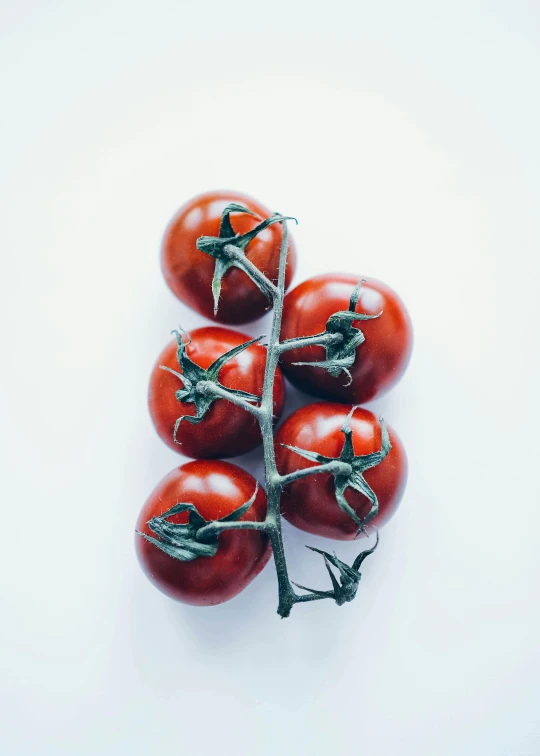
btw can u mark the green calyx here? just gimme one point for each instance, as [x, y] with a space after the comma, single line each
[229, 250]
[358, 465]
[194, 378]
[341, 353]
[343, 589]
[181, 541]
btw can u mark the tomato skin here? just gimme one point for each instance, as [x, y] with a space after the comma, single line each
[380, 361]
[226, 430]
[189, 272]
[309, 503]
[216, 488]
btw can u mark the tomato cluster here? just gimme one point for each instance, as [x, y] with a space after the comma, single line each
[350, 341]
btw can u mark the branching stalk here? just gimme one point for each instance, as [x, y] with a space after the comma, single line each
[345, 589]
[275, 482]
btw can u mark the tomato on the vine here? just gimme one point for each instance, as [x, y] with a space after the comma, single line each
[310, 503]
[226, 429]
[375, 362]
[189, 272]
[215, 489]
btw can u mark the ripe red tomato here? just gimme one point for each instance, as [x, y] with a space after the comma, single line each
[226, 429]
[189, 272]
[380, 360]
[310, 503]
[216, 489]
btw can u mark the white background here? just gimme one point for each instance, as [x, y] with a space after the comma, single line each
[405, 138]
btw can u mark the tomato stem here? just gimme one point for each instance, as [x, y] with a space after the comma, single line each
[209, 388]
[214, 528]
[235, 253]
[320, 339]
[335, 466]
[275, 483]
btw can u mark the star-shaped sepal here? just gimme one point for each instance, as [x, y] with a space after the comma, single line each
[192, 376]
[341, 354]
[345, 585]
[220, 246]
[350, 475]
[182, 542]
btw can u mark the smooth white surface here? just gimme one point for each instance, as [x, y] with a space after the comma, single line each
[404, 136]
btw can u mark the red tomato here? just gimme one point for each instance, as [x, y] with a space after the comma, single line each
[216, 489]
[380, 360]
[226, 430]
[310, 503]
[189, 272]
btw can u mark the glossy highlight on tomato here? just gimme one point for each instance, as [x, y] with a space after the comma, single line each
[189, 272]
[380, 361]
[216, 489]
[310, 503]
[226, 429]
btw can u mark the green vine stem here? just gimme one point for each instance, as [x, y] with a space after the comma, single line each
[344, 590]
[235, 254]
[320, 339]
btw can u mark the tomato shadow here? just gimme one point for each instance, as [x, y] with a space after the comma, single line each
[295, 398]
[395, 406]
[218, 628]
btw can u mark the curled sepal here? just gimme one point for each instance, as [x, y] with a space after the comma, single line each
[357, 465]
[181, 541]
[341, 354]
[196, 380]
[345, 585]
[364, 462]
[226, 231]
[341, 483]
[229, 250]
